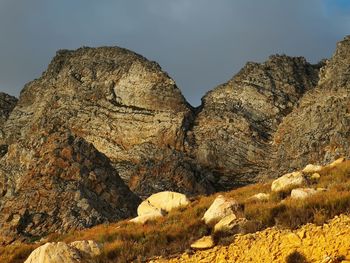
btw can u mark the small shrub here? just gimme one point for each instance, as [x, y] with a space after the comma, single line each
[296, 257]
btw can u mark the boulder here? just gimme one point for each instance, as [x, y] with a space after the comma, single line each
[260, 197]
[147, 217]
[146, 208]
[302, 193]
[225, 223]
[231, 226]
[288, 181]
[162, 201]
[76, 252]
[311, 168]
[205, 242]
[220, 208]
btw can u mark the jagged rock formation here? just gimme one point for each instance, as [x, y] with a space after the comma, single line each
[56, 182]
[233, 129]
[124, 105]
[317, 131]
[100, 113]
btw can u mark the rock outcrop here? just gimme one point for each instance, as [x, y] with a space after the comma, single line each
[235, 125]
[318, 129]
[94, 115]
[103, 121]
[57, 182]
[123, 104]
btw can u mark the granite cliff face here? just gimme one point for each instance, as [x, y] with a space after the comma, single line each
[105, 126]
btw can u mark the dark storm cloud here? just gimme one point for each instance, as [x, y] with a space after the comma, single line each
[201, 43]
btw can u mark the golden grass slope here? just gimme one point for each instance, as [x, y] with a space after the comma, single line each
[311, 243]
[280, 215]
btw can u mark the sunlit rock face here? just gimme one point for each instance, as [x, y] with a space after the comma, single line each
[80, 132]
[123, 104]
[103, 128]
[57, 182]
[317, 131]
[234, 127]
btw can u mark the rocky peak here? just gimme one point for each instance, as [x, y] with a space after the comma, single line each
[337, 70]
[318, 129]
[126, 78]
[102, 117]
[123, 104]
[235, 125]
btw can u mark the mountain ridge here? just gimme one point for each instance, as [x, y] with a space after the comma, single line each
[270, 118]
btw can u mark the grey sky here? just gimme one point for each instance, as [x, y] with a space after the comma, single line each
[200, 43]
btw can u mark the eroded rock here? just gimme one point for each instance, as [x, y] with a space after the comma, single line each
[60, 183]
[317, 130]
[234, 127]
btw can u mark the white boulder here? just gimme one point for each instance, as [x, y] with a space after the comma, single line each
[311, 168]
[220, 208]
[302, 193]
[167, 201]
[288, 181]
[147, 217]
[76, 252]
[157, 205]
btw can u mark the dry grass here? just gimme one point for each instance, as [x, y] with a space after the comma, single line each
[16, 253]
[126, 242]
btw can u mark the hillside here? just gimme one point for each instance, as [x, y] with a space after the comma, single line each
[279, 217]
[104, 128]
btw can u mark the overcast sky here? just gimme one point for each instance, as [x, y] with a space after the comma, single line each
[200, 43]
